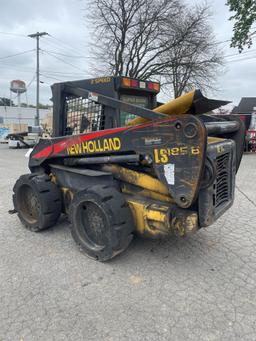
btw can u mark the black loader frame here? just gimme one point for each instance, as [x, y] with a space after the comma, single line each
[170, 169]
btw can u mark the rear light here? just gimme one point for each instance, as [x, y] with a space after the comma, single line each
[153, 86]
[130, 83]
[150, 86]
[134, 83]
[156, 86]
[126, 82]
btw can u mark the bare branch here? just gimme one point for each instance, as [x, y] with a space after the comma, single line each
[155, 38]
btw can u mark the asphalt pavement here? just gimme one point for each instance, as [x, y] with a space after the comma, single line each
[202, 287]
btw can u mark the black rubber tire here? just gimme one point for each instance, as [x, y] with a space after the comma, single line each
[102, 222]
[37, 201]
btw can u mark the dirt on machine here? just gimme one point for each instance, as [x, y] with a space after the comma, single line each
[120, 164]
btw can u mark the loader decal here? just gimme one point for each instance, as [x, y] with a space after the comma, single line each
[59, 147]
[162, 155]
[95, 146]
[101, 80]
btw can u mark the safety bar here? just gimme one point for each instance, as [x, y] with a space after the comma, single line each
[222, 127]
[114, 103]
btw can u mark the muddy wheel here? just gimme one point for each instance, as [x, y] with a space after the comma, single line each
[37, 201]
[102, 222]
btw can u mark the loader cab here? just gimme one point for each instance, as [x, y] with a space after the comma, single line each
[76, 115]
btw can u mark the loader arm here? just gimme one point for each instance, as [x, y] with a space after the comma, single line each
[175, 148]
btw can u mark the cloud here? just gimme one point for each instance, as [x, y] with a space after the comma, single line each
[65, 21]
[62, 19]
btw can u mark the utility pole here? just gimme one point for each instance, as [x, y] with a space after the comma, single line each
[37, 36]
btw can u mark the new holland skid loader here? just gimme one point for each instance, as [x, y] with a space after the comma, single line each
[120, 164]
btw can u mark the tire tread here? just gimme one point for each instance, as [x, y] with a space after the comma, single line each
[49, 198]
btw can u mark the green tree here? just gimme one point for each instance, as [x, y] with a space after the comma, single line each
[44, 106]
[244, 17]
[6, 102]
[41, 106]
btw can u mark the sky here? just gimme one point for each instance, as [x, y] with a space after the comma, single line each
[64, 53]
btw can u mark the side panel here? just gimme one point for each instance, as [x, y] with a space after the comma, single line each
[174, 147]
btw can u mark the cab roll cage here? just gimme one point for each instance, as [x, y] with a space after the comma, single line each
[63, 90]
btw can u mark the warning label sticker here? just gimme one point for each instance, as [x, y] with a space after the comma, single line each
[169, 172]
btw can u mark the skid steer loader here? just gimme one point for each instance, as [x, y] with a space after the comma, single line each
[119, 163]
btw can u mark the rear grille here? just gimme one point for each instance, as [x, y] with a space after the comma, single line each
[222, 185]
[218, 197]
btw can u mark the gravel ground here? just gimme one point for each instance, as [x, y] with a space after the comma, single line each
[198, 288]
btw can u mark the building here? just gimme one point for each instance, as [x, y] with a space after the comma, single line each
[21, 115]
[245, 108]
[16, 120]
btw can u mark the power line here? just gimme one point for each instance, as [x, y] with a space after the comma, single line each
[229, 40]
[32, 80]
[222, 42]
[67, 55]
[57, 76]
[56, 79]
[53, 45]
[75, 74]
[239, 54]
[61, 73]
[63, 61]
[14, 34]
[9, 66]
[242, 59]
[16, 54]
[13, 67]
[226, 56]
[65, 77]
[67, 45]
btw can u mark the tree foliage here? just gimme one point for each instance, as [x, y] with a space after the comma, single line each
[6, 101]
[154, 39]
[244, 17]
